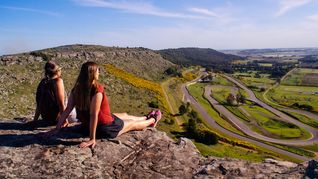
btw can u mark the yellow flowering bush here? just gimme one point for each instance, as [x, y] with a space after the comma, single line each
[139, 83]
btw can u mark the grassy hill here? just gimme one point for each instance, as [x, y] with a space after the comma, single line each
[197, 56]
[21, 73]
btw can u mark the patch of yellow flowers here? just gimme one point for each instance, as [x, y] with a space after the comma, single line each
[139, 83]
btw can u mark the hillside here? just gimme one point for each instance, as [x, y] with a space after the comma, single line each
[141, 154]
[197, 56]
[21, 73]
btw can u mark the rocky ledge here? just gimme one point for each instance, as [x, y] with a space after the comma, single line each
[141, 154]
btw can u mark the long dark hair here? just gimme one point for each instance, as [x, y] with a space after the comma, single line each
[85, 85]
[50, 69]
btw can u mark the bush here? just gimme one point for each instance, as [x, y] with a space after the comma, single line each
[153, 104]
[303, 106]
[182, 109]
[191, 126]
[169, 121]
[173, 71]
[193, 114]
[206, 137]
[44, 56]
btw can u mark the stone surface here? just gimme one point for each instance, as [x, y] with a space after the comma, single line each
[140, 154]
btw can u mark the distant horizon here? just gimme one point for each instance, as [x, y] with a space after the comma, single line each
[158, 24]
[27, 51]
[154, 49]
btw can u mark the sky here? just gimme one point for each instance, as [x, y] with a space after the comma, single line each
[27, 25]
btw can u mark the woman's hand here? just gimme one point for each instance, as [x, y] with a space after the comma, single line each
[91, 142]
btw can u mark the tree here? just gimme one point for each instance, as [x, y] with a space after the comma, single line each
[240, 98]
[231, 99]
[182, 109]
[257, 75]
[206, 137]
[192, 126]
[153, 104]
[193, 114]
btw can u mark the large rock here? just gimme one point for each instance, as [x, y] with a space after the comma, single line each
[141, 154]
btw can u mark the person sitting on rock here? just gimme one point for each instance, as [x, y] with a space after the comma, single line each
[50, 95]
[92, 107]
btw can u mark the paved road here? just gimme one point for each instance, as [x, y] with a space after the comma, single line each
[211, 121]
[243, 127]
[283, 116]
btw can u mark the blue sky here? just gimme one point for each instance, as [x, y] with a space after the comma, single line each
[157, 24]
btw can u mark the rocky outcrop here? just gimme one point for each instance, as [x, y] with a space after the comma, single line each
[142, 62]
[141, 154]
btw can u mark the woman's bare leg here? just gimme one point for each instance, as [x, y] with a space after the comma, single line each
[125, 116]
[130, 125]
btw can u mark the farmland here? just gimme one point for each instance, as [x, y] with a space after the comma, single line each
[255, 82]
[302, 77]
[290, 95]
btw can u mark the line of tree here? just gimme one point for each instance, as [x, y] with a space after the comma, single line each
[200, 135]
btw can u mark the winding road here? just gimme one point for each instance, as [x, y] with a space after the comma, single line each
[212, 122]
[252, 97]
[244, 128]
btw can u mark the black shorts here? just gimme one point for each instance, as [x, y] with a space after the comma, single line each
[111, 130]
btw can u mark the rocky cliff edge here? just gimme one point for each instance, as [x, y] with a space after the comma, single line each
[141, 154]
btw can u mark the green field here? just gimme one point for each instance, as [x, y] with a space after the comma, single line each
[254, 83]
[301, 77]
[197, 91]
[269, 125]
[288, 95]
[304, 119]
[226, 150]
[219, 80]
[265, 64]
[260, 120]
[220, 93]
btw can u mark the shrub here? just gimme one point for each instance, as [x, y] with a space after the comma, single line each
[153, 104]
[206, 137]
[182, 109]
[169, 121]
[44, 56]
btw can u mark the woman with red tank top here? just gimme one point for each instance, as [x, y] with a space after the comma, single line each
[92, 107]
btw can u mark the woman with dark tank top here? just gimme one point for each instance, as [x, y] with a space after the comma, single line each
[92, 108]
[50, 95]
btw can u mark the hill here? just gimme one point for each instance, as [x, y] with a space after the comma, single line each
[197, 56]
[21, 73]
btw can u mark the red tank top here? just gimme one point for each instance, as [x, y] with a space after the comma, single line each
[104, 115]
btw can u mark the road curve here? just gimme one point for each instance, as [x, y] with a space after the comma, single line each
[212, 122]
[243, 127]
[252, 97]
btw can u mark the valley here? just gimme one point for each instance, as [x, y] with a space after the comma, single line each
[271, 111]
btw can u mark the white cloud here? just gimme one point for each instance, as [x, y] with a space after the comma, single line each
[135, 7]
[288, 5]
[31, 10]
[204, 12]
[313, 17]
[235, 37]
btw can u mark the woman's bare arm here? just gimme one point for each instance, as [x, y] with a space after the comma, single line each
[63, 117]
[60, 94]
[94, 110]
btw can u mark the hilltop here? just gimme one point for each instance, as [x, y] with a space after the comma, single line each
[198, 56]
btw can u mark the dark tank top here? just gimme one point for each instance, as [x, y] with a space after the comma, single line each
[46, 99]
